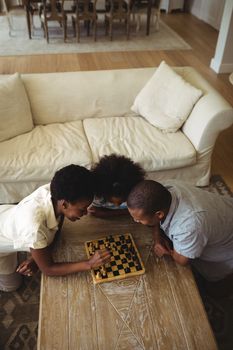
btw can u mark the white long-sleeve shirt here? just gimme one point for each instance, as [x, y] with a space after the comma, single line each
[29, 224]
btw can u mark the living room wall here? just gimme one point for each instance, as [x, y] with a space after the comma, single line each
[209, 11]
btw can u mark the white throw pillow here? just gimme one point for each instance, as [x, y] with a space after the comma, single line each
[15, 111]
[166, 100]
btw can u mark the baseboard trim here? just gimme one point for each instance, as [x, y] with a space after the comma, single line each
[219, 67]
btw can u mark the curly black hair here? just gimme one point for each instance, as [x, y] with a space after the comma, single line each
[72, 183]
[150, 196]
[115, 176]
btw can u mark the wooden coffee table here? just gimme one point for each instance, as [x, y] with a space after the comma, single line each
[161, 309]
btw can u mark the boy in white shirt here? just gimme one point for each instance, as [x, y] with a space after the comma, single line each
[33, 223]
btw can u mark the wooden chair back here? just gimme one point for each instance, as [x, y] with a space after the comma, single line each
[141, 7]
[85, 12]
[119, 10]
[53, 10]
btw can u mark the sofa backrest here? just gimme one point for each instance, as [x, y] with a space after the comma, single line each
[68, 96]
[62, 97]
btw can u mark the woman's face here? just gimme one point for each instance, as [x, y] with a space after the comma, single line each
[76, 210]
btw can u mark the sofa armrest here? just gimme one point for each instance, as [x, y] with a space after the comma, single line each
[209, 117]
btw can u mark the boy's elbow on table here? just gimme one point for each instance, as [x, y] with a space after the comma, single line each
[180, 259]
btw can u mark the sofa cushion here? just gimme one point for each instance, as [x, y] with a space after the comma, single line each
[136, 138]
[15, 112]
[35, 156]
[166, 100]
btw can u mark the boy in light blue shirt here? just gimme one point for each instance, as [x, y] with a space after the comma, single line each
[198, 223]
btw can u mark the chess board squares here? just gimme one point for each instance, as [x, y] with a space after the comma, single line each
[125, 259]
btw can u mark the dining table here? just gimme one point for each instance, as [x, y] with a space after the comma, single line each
[31, 5]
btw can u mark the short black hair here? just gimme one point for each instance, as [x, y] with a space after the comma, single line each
[150, 196]
[115, 176]
[72, 183]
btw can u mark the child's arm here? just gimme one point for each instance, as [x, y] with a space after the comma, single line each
[28, 267]
[101, 212]
[43, 259]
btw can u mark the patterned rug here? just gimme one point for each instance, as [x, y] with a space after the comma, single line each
[19, 44]
[19, 310]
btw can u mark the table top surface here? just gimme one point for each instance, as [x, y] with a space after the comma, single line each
[161, 309]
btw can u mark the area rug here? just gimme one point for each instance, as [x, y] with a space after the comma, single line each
[19, 310]
[19, 44]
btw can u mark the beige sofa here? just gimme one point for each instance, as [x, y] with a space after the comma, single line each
[80, 116]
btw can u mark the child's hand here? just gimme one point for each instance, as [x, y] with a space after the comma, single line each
[99, 212]
[99, 258]
[27, 267]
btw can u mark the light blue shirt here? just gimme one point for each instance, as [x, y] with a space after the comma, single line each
[200, 225]
[102, 203]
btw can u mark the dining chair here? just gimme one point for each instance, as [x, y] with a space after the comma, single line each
[120, 10]
[12, 10]
[53, 11]
[140, 7]
[32, 8]
[85, 11]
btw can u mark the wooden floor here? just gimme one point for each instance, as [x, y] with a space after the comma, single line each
[199, 35]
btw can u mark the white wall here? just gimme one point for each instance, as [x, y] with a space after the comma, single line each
[169, 5]
[219, 14]
[223, 58]
[209, 11]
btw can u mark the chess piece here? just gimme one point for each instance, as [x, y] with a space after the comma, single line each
[98, 275]
[91, 248]
[103, 271]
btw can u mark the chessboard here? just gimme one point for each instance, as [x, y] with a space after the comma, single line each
[125, 259]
